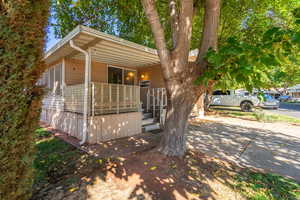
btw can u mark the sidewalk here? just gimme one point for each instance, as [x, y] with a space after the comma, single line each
[271, 147]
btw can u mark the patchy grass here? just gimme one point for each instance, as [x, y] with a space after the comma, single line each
[258, 115]
[259, 186]
[55, 161]
[266, 117]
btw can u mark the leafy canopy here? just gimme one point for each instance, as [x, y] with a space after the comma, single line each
[257, 40]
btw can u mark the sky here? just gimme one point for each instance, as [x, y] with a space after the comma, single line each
[51, 40]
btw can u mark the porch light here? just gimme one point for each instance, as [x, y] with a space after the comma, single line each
[142, 76]
[131, 74]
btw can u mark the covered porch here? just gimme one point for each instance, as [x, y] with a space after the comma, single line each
[93, 85]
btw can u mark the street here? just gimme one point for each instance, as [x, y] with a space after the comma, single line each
[288, 109]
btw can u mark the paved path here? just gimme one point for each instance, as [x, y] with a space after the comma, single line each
[272, 147]
[289, 109]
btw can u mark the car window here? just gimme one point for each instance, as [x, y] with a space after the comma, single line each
[220, 92]
[268, 97]
[217, 92]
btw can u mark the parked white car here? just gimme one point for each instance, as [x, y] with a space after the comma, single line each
[230, 98]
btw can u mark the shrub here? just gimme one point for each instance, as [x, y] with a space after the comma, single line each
[22, 32]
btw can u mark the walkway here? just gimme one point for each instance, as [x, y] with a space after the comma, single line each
[273, 147]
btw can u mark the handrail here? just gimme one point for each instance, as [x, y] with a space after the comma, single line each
[159, 99]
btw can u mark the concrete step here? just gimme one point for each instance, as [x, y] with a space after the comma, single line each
[148, 121]
[147, 115]
[151, 127]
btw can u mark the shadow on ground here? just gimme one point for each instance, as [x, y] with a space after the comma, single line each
[142, 174]
[66, 173]
[251, 147]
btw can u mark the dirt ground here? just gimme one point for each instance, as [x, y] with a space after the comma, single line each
[147, 175]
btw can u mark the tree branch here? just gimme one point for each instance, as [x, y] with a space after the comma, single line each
[210, 30]
[174, 21]
[157, 30]
[185, 30]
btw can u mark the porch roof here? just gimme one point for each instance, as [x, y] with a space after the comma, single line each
[105, 48]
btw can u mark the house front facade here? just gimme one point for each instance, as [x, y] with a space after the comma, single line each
[98, 86]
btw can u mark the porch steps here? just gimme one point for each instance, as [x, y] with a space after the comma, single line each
[147, 115]
[151, 127]
[149, 123]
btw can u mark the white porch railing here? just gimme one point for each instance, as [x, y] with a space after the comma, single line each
[104, 98]
[156, 101]
[114, 98]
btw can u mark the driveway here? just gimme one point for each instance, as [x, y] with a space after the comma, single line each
[272, 147]
[289, 109]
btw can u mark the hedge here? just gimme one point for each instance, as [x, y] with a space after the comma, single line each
[22, 34]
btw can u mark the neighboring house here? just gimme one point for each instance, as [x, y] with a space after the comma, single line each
[99, 86]
[294, 91]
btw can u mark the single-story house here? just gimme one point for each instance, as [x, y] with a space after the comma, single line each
[101, 87]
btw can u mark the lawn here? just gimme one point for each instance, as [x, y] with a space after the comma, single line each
[64, 172]
[257, 115]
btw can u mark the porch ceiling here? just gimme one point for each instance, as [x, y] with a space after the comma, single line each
[105, 48]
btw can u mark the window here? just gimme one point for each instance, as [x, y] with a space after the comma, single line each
[115, 75]
[55, 79]
[121, 76]
[129, 77]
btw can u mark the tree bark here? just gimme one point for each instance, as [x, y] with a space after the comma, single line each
[200, 106]
[207, 100]
[210, 30]
[173, 142]
[178, 74]
[182, 97]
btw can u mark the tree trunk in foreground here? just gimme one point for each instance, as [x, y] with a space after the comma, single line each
[180, 75]
[180, 104]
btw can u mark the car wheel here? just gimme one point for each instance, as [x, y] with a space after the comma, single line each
[247, 106]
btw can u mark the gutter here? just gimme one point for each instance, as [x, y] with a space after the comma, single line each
[86, 91]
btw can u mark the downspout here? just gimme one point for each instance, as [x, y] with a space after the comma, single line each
[86, 91]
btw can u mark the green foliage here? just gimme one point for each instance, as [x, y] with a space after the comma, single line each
[255, 39]
[127, 20]
[92, 13]
[22, 32]
[262, 63]
[259, 186]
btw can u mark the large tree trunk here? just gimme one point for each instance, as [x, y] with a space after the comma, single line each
[178, 74]
[181, 101]
[173, 142]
